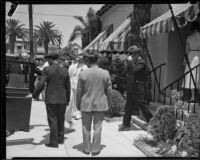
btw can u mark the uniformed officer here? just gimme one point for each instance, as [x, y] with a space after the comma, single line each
[136, 94]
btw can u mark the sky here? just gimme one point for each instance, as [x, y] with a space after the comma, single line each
[65, 23]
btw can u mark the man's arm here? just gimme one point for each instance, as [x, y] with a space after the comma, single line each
[41, 83]
[68, 89]
[79, 93]
[109, 89]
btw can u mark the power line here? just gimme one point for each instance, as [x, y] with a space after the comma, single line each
[50, 14]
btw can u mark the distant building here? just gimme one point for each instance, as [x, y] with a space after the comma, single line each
[76, 48]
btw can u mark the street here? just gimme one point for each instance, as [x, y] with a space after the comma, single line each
[31, 144]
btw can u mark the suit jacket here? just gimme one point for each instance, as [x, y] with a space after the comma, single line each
[94, 90]
[58, 85]
[134, 69]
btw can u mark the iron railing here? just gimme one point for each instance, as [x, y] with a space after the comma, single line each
[179, 85]
[156, 87]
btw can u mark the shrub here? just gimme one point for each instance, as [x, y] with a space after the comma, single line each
[119, 74]
[163, 124]
[118, 104]
[188, 136]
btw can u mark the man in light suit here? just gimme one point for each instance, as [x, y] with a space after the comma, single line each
[56, 97]
[93, 99]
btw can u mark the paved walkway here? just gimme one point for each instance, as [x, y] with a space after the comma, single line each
[31, 144]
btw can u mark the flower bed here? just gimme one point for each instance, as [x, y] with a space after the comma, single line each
[184, 144]
[170, 137]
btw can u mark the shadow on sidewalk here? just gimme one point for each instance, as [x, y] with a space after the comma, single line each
[66, 130]
[37, 125]
[79, 147]
[31, 140]
[28, 141]
[19, 142]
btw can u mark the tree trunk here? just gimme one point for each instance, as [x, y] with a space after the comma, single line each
[141, 16]
[12, 44]
[45, 48]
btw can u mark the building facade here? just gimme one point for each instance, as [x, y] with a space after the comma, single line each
[114, 14]
[167, 47]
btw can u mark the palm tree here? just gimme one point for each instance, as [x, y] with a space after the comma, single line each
[68, 51]
[14, 29]
[141, 15]
[89, 29]
[46, 34]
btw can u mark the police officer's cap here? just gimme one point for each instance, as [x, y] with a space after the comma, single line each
[52, 56]
[134, 49]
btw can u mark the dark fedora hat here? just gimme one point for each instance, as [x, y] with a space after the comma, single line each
[52, 56]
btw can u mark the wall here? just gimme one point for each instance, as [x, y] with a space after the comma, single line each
[158, 45]
[175, 59]
[176, 53]
[116, 15]
[167, 48]
[158, 9]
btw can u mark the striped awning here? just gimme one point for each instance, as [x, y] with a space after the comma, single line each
[115, 42]
[94, 45]
[183, 13]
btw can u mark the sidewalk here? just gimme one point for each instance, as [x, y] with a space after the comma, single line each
[31, 144]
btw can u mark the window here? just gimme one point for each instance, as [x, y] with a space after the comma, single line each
[19, 47]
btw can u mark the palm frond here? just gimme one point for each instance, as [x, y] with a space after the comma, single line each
[81, 19]
[77, 31]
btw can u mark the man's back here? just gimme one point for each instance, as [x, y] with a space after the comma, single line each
[96, 86]
[57, 79]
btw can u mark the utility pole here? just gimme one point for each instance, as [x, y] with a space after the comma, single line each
[31, 76]
[59, 43]
[30, 11]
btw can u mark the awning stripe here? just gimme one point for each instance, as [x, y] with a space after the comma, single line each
[95, 43]
[116, 40]
[183, 13]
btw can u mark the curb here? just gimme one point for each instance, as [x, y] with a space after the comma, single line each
[113, 119]
[141, 147]
[139, 122]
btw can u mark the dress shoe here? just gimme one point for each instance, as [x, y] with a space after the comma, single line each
[86, 152]
[124, 128]
[51, 145]
[95, 153]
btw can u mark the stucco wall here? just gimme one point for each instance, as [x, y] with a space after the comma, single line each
[158, 45]
[176, 53]
[116, 15]
[175, 67]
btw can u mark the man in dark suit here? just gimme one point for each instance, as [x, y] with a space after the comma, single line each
[136, 98]
[56, 97]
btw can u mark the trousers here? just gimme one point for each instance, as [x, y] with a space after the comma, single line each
[135, 103]
[56, 117]
[87, 118]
